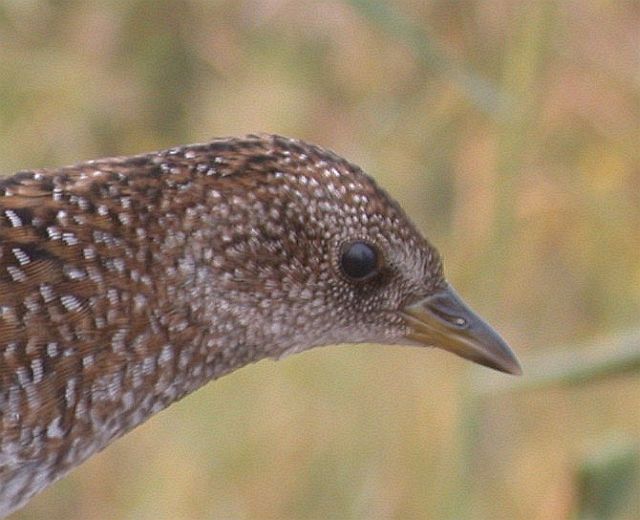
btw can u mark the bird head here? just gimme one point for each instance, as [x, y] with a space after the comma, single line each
[323, 255]
[127, 283]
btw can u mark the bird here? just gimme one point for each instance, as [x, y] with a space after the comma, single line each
[127, 283]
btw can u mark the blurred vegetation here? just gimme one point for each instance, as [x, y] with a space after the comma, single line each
[508, 129]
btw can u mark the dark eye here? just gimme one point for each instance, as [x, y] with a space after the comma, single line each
[359, 260]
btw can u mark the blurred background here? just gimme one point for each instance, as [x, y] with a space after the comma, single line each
[510, 132]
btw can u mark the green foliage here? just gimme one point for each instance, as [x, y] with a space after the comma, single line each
[608, 483]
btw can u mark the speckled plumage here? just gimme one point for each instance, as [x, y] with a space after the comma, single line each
[127, 283]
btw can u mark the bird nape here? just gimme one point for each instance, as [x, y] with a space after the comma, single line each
[127, 283]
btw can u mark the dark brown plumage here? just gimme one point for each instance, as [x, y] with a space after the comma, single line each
[127, 283]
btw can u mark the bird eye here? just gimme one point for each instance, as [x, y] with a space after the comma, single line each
[359, 260]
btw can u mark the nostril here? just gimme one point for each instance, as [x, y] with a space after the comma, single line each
[457, 321]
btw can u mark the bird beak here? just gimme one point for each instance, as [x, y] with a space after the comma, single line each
[444, 321]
